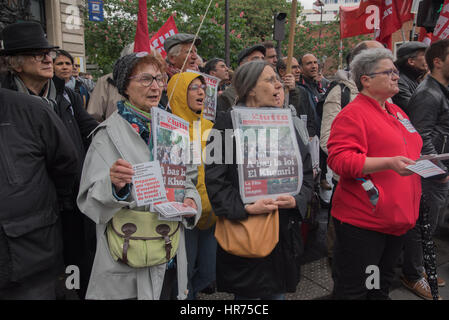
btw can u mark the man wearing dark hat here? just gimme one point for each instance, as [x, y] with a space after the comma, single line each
[181, 55]
[411, 63]
[227, 99]
[428, 110]
[30, 59]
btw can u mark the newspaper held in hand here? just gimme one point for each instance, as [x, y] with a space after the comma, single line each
[268, 157]
[425, 168]
[173, 209]
[148, 186]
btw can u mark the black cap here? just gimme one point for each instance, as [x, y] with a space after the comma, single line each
[410, 47]
[180, 38]
[23, 37]
[247, 51]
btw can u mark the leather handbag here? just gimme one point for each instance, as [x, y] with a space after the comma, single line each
[254, 237]
[139, 239]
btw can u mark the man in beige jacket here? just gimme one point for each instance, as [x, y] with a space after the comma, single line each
[104, 98]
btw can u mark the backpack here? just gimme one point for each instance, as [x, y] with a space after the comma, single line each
[345, 96]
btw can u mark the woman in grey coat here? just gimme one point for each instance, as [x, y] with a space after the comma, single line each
[107, 176]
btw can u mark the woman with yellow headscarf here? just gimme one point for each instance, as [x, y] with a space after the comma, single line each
[187, 92]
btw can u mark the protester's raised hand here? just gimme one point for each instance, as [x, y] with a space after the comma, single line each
[289, 81]
[121, 173]
[261, 206]
[285, 202]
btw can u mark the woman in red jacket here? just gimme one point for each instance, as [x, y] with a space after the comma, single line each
[377, 199]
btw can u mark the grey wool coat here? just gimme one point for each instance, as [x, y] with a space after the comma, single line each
[114, 139]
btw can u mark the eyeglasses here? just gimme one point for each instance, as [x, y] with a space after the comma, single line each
[146, 79]
[389, 72]
[194, 87]
[273, 80]
[40, 56]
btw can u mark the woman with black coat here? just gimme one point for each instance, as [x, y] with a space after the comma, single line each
[267, 278]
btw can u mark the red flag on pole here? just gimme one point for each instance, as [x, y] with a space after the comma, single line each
[141, 40]
[167, 30]
[441, 30]
[404, 7]
[352, 24]
[389, 23]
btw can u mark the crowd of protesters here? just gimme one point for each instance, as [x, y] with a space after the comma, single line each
[69, 145]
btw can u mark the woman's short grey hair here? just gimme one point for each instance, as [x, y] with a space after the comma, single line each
[245, 78]
[366, 62]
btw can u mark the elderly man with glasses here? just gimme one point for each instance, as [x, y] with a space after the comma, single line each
[30, 62]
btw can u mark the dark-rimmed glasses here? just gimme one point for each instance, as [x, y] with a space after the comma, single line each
[389, 72]
[146, 79]
[40, 56]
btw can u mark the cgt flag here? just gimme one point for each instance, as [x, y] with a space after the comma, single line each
[167, 30]
[352, 24]
[441, 30]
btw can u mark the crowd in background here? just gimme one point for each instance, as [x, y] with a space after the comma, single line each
[69, 143]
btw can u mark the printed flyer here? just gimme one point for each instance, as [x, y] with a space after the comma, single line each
[268, 156]
[148, 186]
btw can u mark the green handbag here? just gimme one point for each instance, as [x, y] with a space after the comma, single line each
[139, 239]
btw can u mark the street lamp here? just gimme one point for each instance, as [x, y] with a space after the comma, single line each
[319, 3]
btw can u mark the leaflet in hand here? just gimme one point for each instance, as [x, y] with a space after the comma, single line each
[425, 168]
[148, 185]
[173, 209]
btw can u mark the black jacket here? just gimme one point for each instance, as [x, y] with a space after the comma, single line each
[78, 231]
[279, 271]
[428, 110]
[407, 83]
[38, 164]
[299, 98]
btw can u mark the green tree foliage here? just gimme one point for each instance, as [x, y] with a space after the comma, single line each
[250, 22]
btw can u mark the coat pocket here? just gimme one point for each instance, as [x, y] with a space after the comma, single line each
[33, 243]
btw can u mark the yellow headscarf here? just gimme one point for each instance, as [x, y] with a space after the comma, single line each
[179, 106]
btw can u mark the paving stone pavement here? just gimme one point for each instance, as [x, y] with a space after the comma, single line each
[316, 281]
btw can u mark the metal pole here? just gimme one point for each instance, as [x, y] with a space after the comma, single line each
[227, 40]
[321, 23]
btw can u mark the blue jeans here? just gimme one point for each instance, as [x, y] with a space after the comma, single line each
[201, 247]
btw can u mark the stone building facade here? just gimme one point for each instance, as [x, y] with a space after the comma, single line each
[62, 21]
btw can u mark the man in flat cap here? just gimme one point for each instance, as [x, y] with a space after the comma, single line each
[411, 63]
[227, 99]
[30, 61]
[177, 48]
[428, 110]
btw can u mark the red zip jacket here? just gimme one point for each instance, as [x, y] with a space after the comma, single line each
[363, 129]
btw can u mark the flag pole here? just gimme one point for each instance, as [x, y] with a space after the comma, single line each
[291, 40]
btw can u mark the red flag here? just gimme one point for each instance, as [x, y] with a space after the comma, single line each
[141, 40]
[351, 24]
[167, 30]
[365, 4]
[441, 30]
[389, 23]
[404, 7]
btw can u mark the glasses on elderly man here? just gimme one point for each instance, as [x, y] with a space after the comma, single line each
[146, 79]
[40, 56]
[389, 72]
